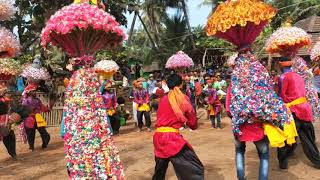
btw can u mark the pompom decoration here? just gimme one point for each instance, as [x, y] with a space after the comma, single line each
[7, 10]
[35, 74]
[287, 41]
[82, 29]
[106, 68]
[300, 66]
[89, 148]
[253, 96]
[9, 44]
[179, 60]
[315, 52]
[9, 68]
[231, 60]
[239, 22]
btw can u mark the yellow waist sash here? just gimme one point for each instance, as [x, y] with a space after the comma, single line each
[167, 130]
[296, 102]
[276, 136]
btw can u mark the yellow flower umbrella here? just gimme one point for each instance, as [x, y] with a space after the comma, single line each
[240, 21]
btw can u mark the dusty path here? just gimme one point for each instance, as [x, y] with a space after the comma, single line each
[214, 148]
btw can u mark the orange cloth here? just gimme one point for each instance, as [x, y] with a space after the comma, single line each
[285, 63]
[179, 103]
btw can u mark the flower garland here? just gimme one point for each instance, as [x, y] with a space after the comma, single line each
[179, 60]
[90, 150]
[9, 45]
[253, 96]
[300, 67]
[315, 52]
[7, 10]
[287, 40]
[232, 13]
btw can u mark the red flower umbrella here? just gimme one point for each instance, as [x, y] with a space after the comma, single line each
[81, 29]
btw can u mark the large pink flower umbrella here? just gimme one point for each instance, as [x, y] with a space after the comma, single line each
[81, 29]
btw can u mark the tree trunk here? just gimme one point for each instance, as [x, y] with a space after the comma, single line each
[184, 7]
[154, 46]
[132, 27]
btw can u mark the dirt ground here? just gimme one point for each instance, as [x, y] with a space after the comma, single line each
[214, 147]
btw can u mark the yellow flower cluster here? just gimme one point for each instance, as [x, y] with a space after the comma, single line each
[240, 12]
[9, 67]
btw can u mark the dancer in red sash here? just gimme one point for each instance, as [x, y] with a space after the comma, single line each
[174, 111]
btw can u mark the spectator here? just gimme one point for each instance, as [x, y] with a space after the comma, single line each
[151, 84]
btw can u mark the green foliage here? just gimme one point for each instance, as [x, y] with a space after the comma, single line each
[24, 59]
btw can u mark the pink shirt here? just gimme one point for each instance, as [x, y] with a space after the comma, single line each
[291, 88]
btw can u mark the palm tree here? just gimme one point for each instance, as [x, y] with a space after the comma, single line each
[185, 12]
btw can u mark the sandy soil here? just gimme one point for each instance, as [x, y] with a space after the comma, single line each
[214, 147]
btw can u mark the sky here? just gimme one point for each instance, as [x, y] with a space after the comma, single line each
[198, 15]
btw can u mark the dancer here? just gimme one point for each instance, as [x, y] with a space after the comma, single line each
[254, 107]
[214, 106]
[174, 111]
[296, 91]
[6, 133]
[35, 120]
[293, 92]
[110, 101]
[142, 99]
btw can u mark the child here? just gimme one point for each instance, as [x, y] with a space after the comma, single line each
[214, 106]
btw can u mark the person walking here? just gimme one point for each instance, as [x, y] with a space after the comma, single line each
[35, 120]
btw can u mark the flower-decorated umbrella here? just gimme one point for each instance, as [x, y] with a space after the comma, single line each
[7, 10]
[81, 29]
[9, 45]
[179, 61]
[287, 41]
[252, 94]
[35, 73]
[106, 68]
[315, 52]
[240, 21]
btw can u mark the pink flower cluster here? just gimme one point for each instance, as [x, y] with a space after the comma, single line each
[179, 60]
[35, 74]
[7, 10]
[315, 52]
[80, 17]
[9, 44]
